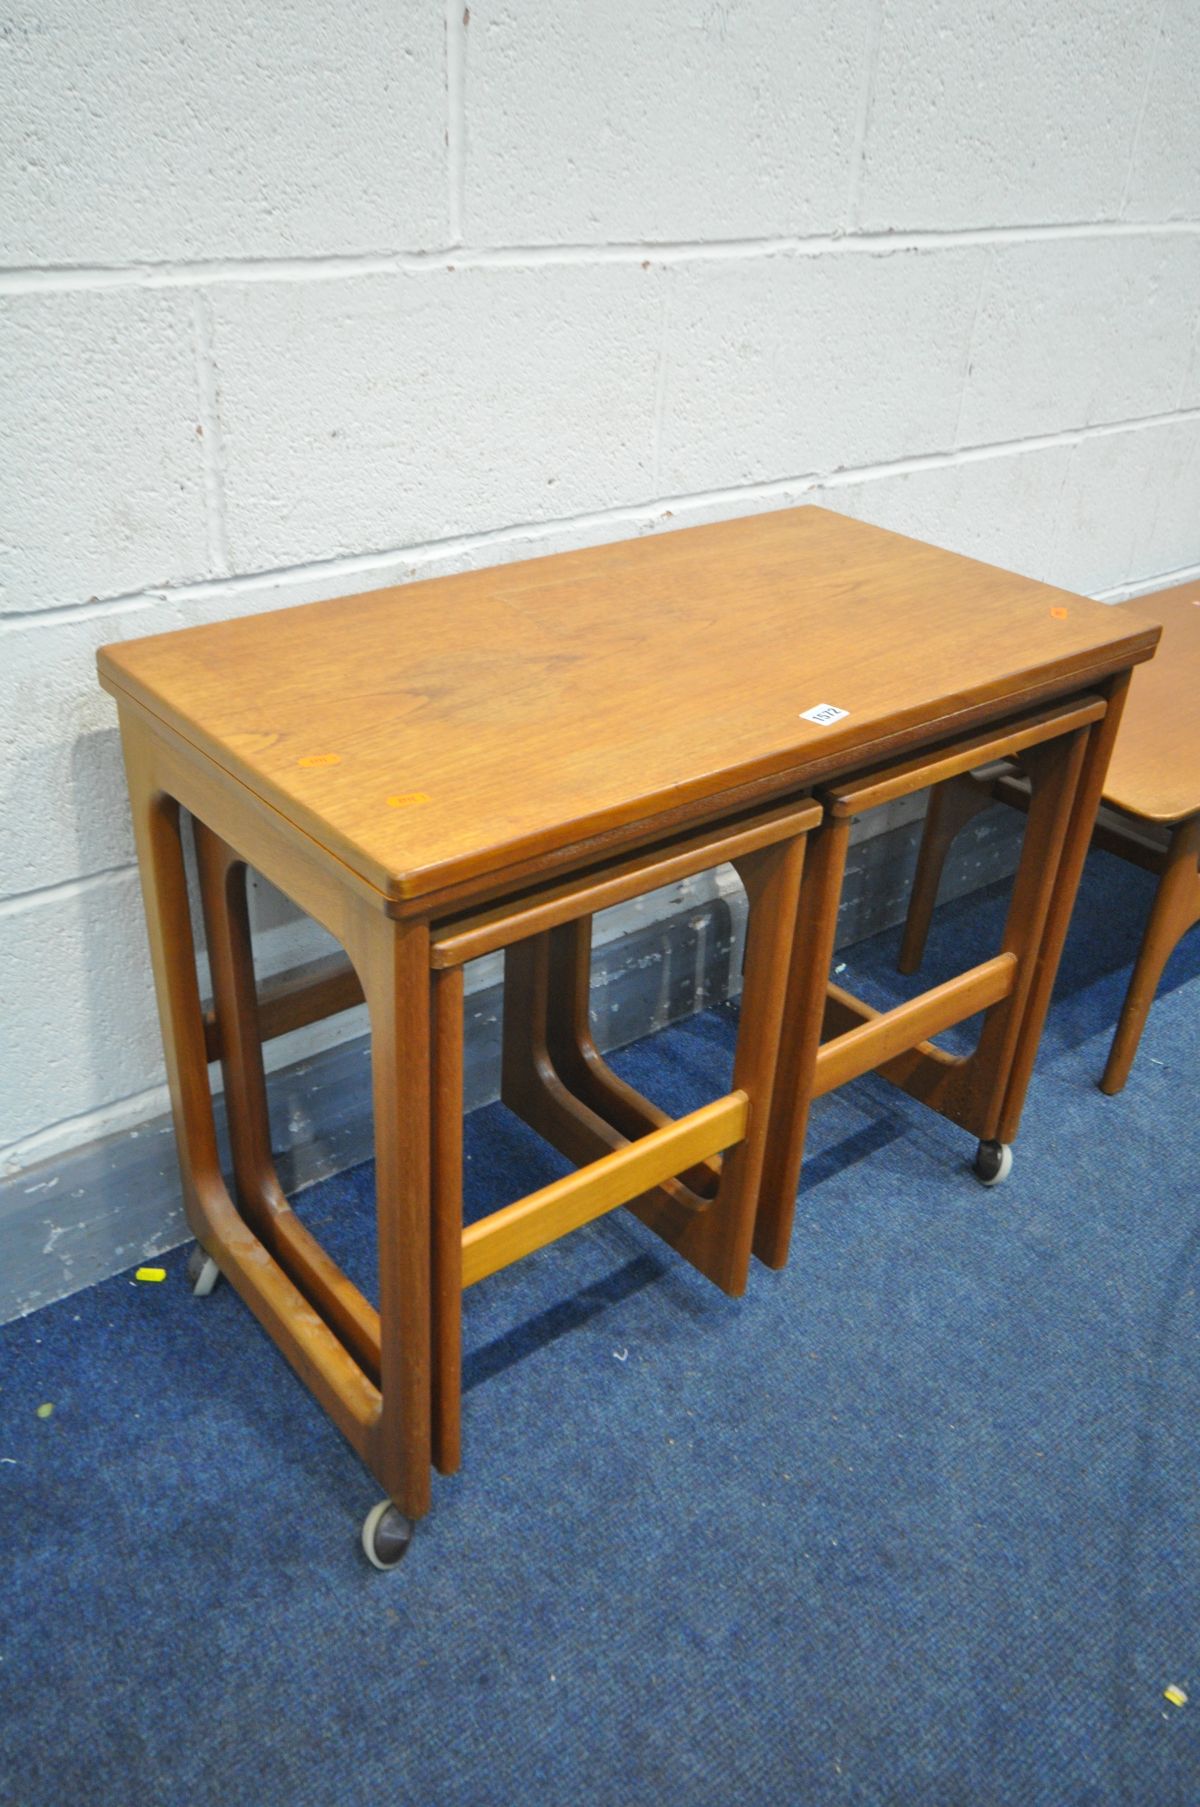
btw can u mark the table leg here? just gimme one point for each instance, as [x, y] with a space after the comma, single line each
[1176, 908]
[803, 1016]
[392, 961]
[447, 1225]
[157, 831]
[1053, 770]
[1070, 868]
[721, 1239]
[952, 804]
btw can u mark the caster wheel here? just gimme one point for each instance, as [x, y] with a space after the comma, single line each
[993, 1162]
[202, 1272]
[386, 1535]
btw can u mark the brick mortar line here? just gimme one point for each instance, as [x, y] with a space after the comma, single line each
[1136, 140]
[63, 889]
[456, 119]
[24, 1155]
[185, 273]
[866, 107]
[1143, 586]
[985, 271]
[633, 514]
[661, 377]
[208, 384]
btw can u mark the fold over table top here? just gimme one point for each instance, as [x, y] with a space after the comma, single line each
[447, 729]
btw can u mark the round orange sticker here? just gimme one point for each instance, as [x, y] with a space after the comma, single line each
[320, 759]
[1059, 614]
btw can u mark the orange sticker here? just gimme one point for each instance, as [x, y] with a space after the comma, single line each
[1059, 614]
[406, 799]
[320, 759]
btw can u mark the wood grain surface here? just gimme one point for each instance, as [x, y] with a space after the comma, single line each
[446, 729]
[1155, 767]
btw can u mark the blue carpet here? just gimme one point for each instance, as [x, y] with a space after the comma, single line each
[914, 1522]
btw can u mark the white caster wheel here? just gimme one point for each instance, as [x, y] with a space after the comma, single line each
[202, 1272]
[993, 1162]
[386, 1535]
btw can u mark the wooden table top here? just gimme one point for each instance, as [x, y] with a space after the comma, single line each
[1155, 769]
[448, 729]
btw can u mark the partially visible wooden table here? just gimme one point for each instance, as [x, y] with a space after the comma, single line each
[1151, 813]
[480, 762]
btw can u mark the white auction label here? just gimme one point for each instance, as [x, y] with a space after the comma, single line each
[824, 714]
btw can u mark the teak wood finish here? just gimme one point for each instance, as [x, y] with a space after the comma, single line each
[831, 1037]
[481, 762]
[490, 725]
[1151, 817]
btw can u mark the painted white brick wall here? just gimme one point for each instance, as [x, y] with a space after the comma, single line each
[631, 120]
[1018, 114]
[413, 406]
[313, 298]
[103, 466]
[200, 129]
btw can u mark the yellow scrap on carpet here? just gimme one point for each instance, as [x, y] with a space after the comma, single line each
[44, 1411]
[151, 1273]
[1175, 1695]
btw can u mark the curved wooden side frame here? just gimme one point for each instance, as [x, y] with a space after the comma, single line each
[555, 1077]
[260, 1196]
[382, 1404]
[581, 1067]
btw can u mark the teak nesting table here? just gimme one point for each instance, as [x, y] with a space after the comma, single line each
[482, 762]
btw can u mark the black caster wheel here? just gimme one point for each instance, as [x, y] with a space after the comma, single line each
[993, 1162]
[202, 1272]
[386, 1535]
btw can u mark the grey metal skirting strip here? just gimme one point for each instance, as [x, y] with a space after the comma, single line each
[111, 1203]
